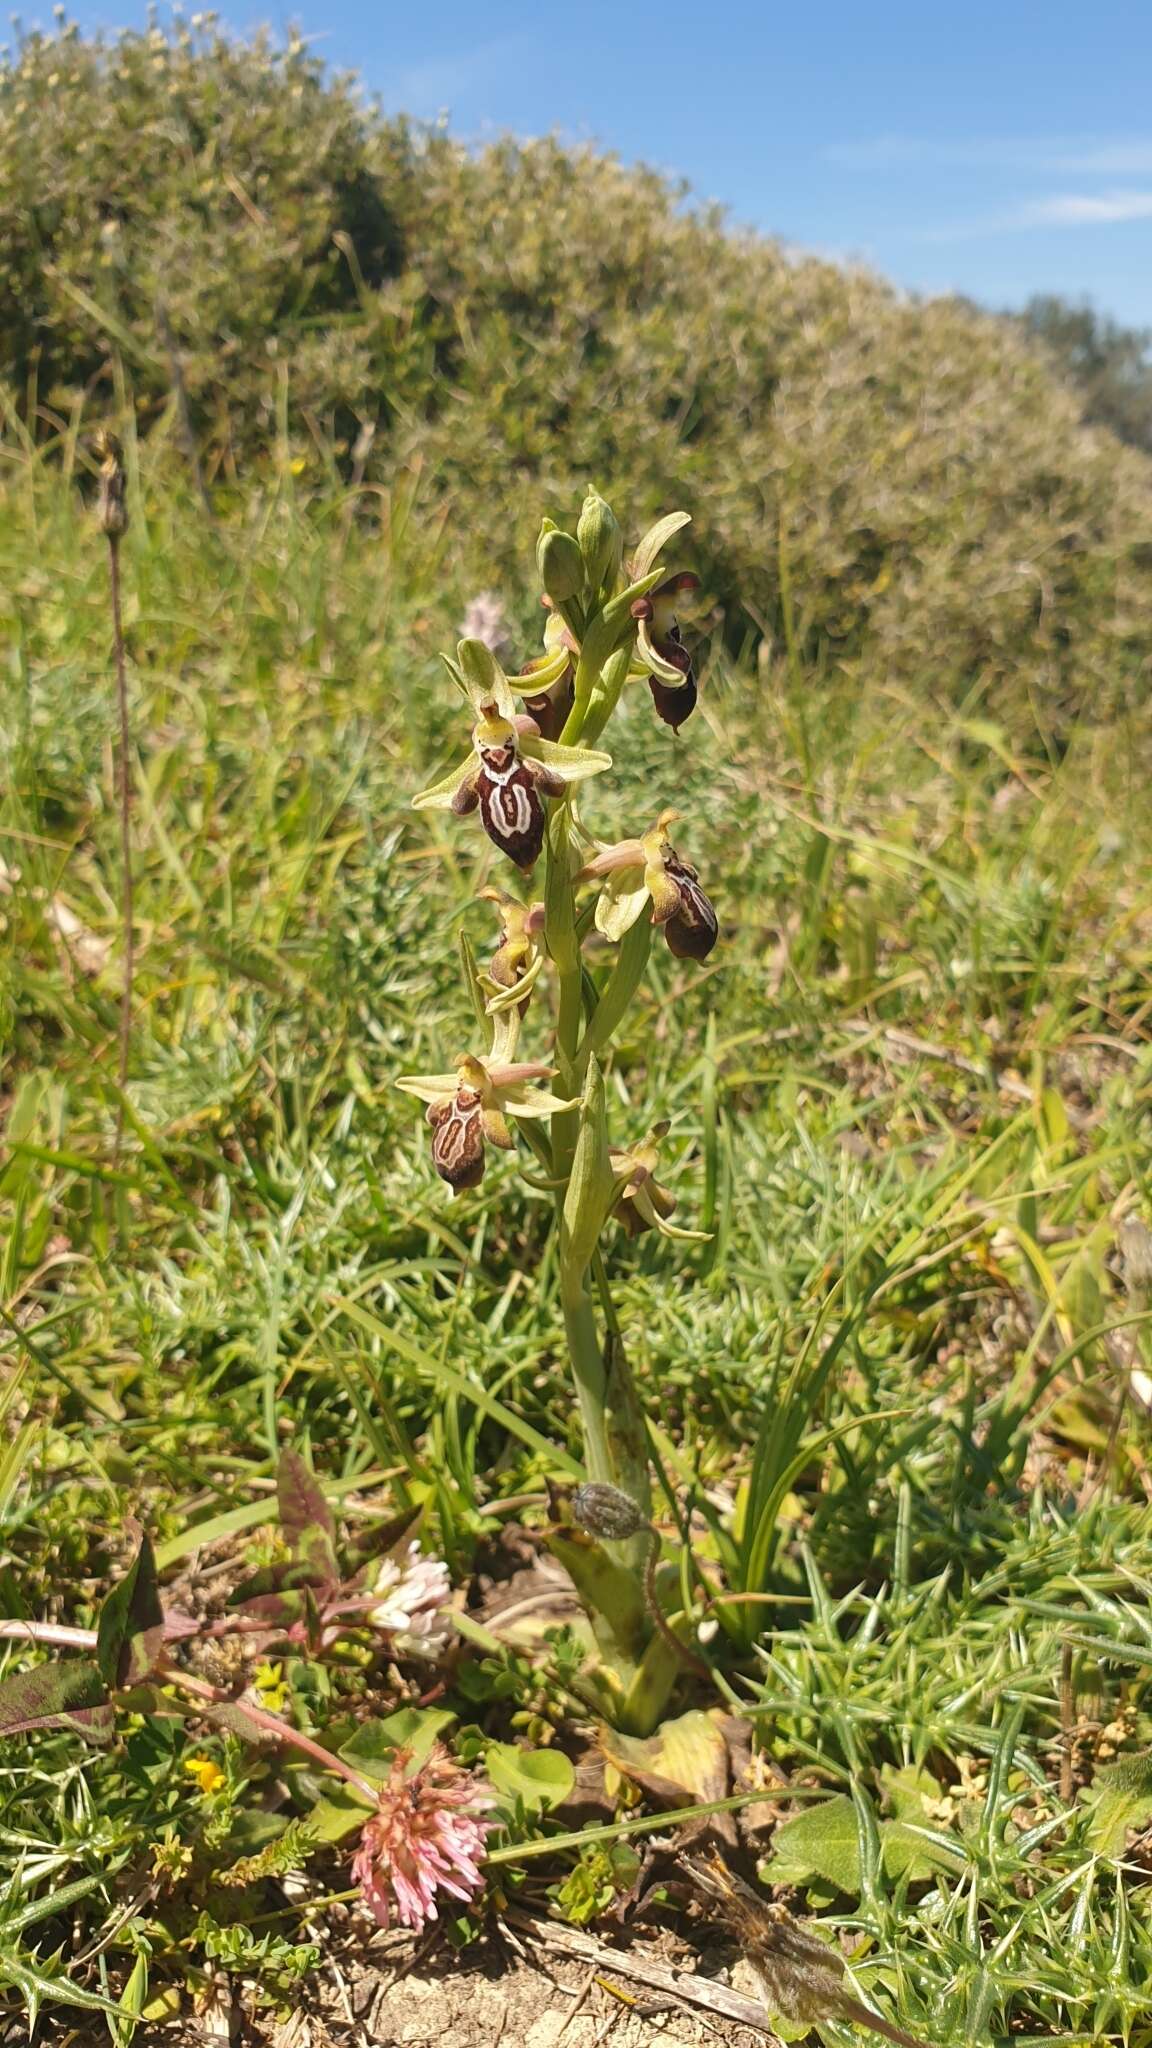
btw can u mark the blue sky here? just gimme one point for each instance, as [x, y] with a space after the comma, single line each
[995, 149]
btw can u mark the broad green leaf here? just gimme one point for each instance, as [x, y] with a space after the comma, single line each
[338, 1814]
[374, 1746]
[540, 1778]
[823, 1843]
[130, 1632]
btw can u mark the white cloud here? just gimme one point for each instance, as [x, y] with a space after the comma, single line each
[1085, 157]
[443, 81]
[1085, 209]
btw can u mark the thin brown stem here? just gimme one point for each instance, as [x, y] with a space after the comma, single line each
[271, 1724]
[124, 781]
[657, 1616]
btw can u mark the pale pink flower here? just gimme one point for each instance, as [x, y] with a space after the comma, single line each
[426, 1836]
[485, 619]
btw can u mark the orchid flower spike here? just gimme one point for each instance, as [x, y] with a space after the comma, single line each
[470, 1108]
[509, 769]
[647, 871]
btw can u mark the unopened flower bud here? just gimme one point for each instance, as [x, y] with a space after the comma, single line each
[111, 509]
[560, 563]
[603, 1510]
[600, 538]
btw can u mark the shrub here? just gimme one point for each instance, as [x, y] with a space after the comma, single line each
[897, 484]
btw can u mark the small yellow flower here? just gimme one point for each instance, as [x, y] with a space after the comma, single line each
[209, 1777]
[268, 1680]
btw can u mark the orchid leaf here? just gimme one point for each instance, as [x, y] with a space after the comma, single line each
[539, 1779]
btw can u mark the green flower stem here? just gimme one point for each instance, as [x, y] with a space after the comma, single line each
[587, 1362]
[587, 676]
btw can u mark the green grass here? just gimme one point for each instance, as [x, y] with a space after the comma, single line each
[909, 1096]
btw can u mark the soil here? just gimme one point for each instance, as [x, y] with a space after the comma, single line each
[488, 1997]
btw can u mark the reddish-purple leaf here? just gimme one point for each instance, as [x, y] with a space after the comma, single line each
[279, 1610]
[130, 1632]
[384, 1539]
[71, 1694]
[306, 1518]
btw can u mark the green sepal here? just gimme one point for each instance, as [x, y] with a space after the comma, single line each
[483, 678]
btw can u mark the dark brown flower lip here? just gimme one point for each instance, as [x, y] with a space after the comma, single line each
[458, 1139]
[694, 927]
[675, 702]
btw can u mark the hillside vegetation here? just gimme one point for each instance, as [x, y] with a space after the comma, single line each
[240, 238]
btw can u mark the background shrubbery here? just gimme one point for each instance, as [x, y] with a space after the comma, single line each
[229, 218]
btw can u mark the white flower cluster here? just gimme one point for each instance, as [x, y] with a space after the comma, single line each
[413, 1604]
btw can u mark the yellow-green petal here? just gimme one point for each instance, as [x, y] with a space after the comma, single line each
[528, 1102]
[620, 902]
[438, 796]
[428, 1087]
[571, 764]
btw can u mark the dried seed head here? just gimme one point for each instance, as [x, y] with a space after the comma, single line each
[605, 1511]
[111, 508]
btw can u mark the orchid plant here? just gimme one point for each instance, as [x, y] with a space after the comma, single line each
[581, 946]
